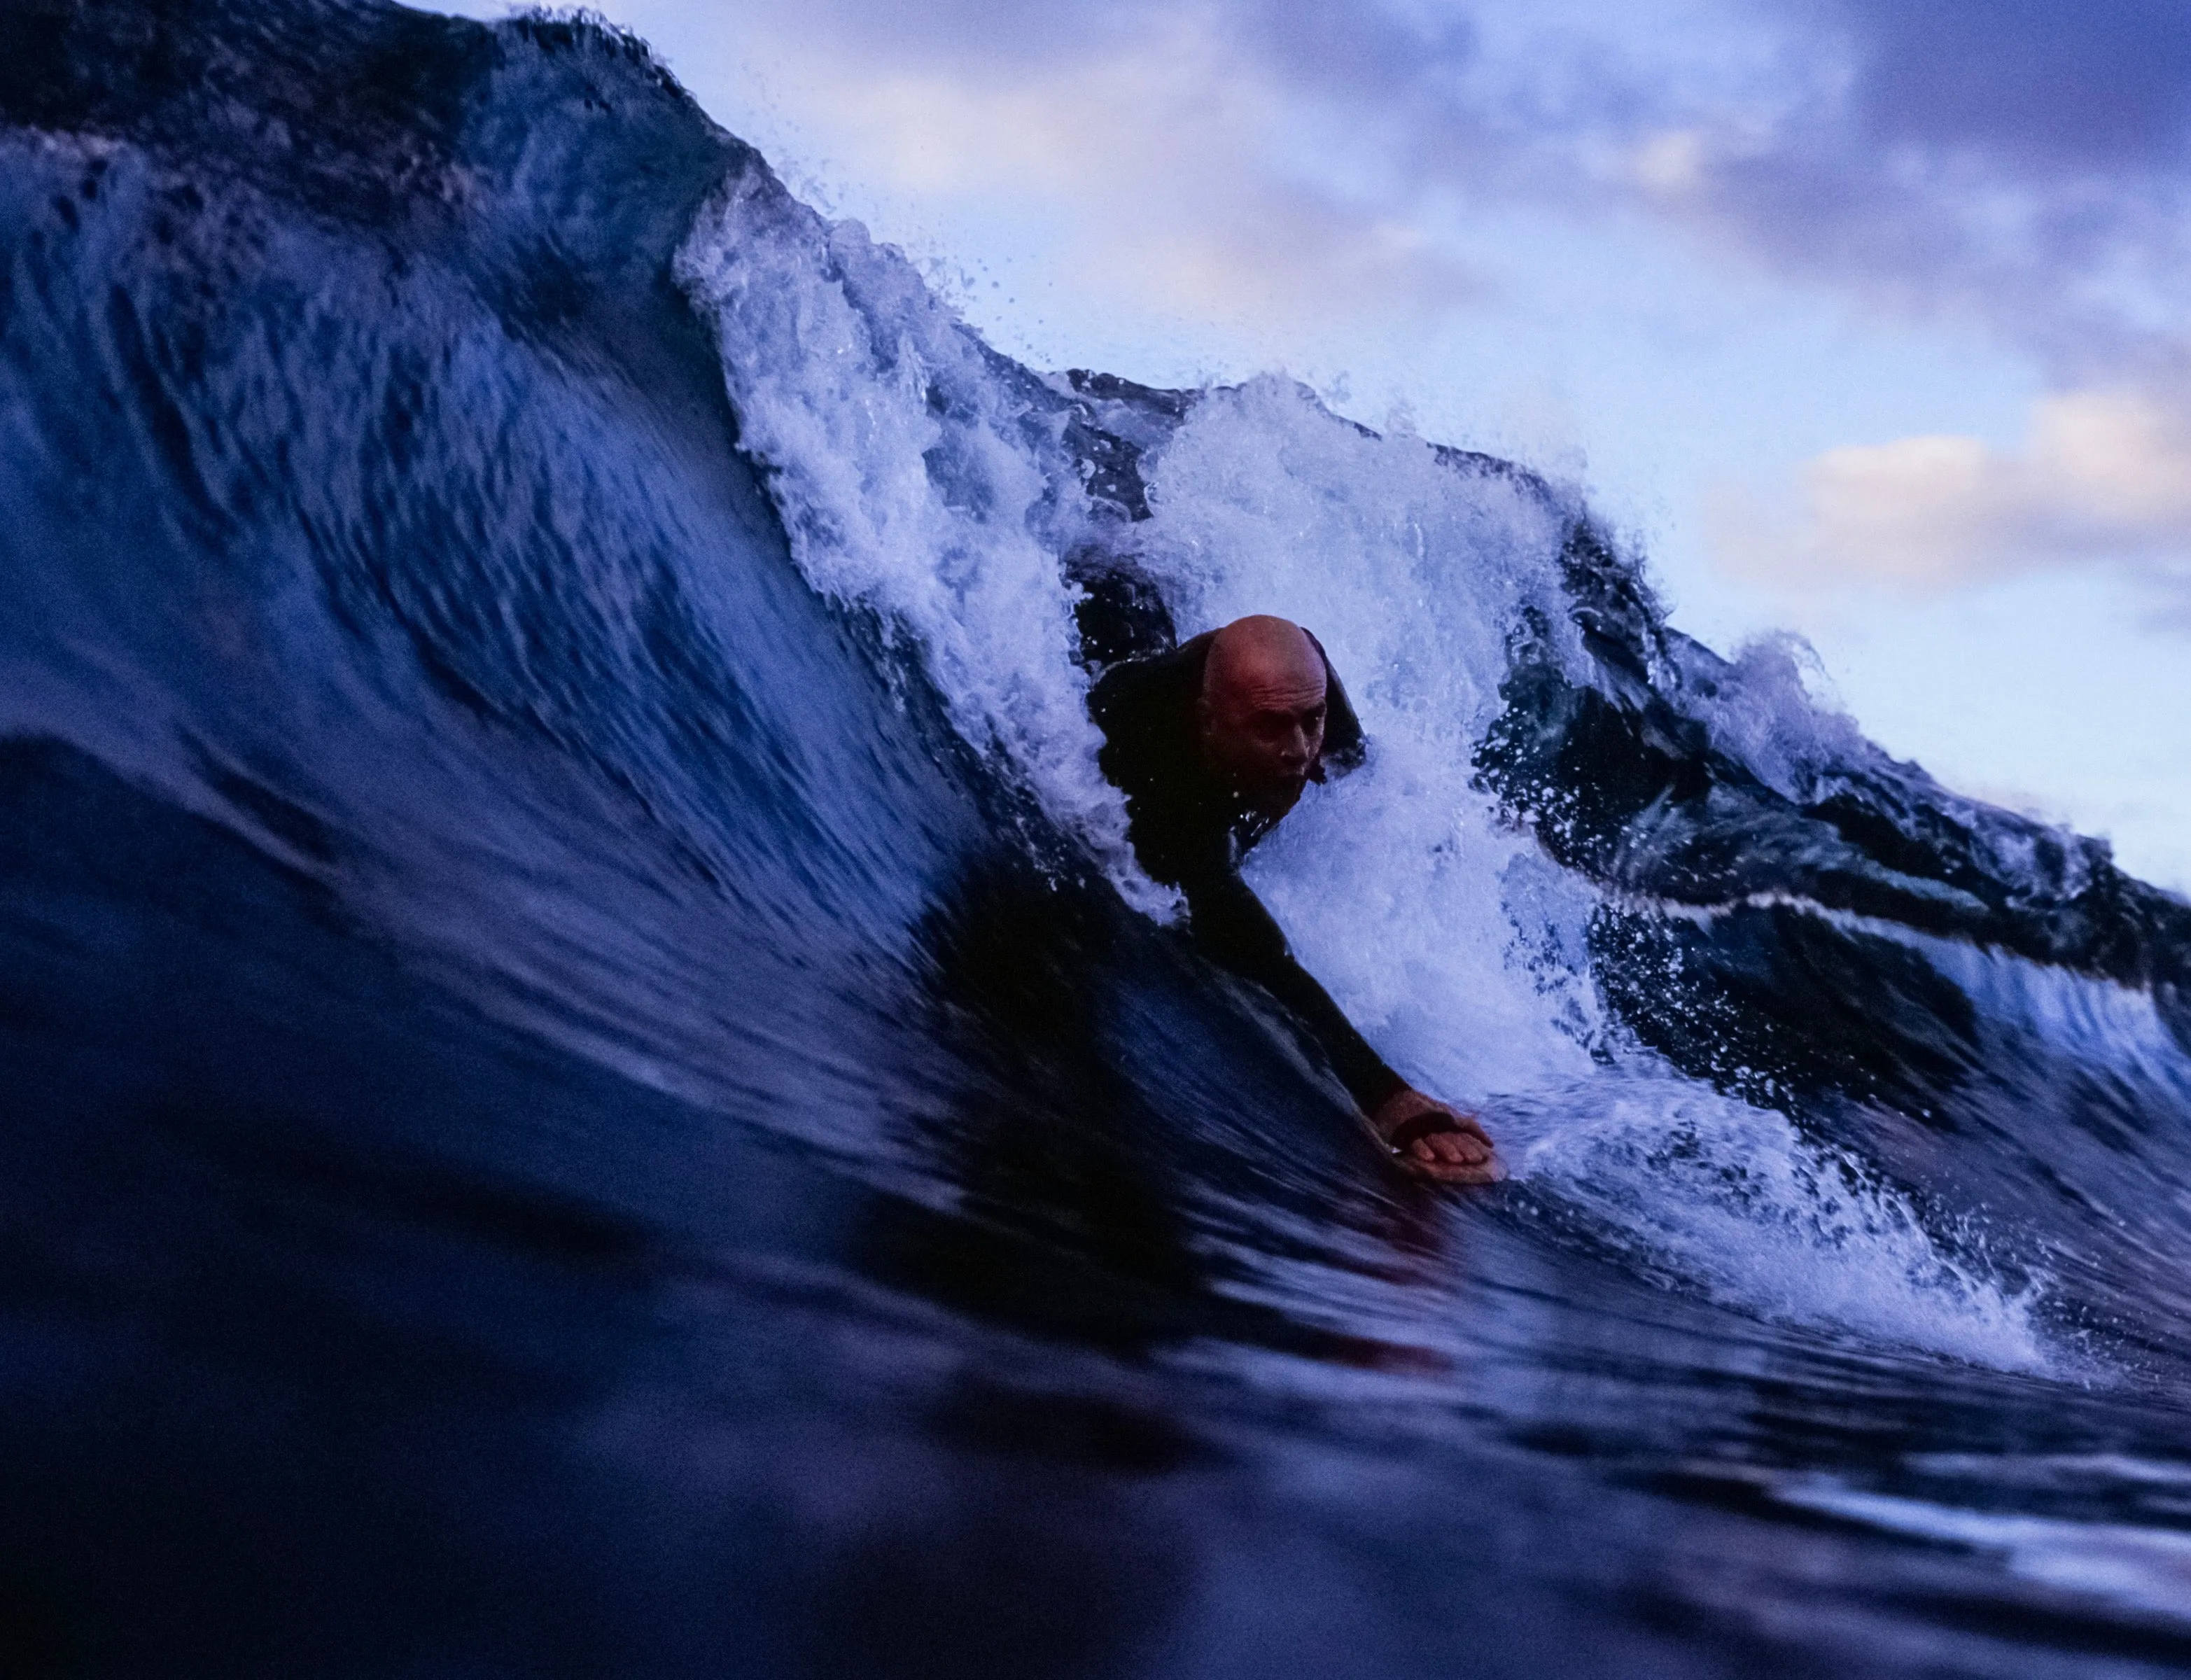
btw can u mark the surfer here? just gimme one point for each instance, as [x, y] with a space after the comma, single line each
[1212, 743]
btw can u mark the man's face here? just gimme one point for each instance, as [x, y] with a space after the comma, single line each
[1262, 715]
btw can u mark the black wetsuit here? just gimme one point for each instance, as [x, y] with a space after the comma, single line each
[1191, 833]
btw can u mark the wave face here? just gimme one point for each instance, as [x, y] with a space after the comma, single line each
[591, 1088]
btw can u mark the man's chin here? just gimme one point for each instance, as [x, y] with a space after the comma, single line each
[1275, 802]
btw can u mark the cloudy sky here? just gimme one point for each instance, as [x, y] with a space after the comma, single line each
[1867, 318]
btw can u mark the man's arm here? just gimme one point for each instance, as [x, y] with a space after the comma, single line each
[1230, 926]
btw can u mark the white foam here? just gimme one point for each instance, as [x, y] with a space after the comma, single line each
[1393, 883]
[911, 480]
[916, 483]
[1733, 1199]
[1761, 711]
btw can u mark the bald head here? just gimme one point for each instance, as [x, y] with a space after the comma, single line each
[1263, 652]
[1262, 710]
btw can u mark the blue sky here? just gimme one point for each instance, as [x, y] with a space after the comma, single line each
[1863, 318]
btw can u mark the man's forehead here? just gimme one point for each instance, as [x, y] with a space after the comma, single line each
[1293, 694]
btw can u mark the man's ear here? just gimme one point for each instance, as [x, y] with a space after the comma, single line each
[1343, 746]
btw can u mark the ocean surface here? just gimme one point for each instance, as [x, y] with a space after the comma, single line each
[587, 1086]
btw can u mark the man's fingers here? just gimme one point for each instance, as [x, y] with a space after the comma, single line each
[1460, 1152]
[1461, 1149]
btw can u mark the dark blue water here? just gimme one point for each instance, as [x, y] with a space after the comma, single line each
[586, 1087]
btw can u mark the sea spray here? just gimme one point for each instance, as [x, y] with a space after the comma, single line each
[914, 481]
[921, 479]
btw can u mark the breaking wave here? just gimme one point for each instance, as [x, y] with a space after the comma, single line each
[567, 948]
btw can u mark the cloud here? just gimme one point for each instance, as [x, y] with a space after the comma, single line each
[2024, 162]
[1168, 146]
[2019, 163]
[2103, 476]
[2038, 88]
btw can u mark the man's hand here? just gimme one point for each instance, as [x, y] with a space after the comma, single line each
[1437, 1141]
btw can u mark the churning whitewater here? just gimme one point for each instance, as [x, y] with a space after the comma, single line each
[593, 1086]
[920, 478]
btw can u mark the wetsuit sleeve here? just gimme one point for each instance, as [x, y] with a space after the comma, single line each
[1233, 930]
